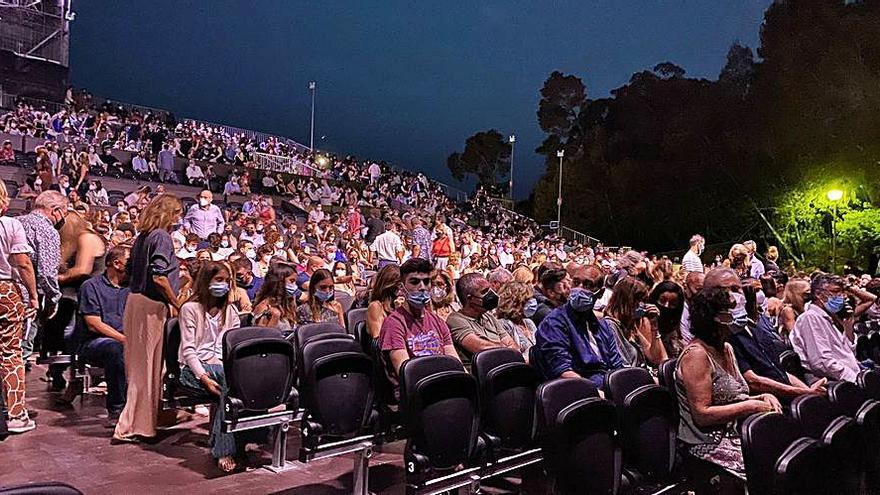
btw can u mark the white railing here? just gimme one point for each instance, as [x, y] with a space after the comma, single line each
[285, 164]
[578, 237]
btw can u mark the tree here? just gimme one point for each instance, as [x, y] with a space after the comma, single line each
[739, 69]
[561, 99]
[668, 70]
[486, 156]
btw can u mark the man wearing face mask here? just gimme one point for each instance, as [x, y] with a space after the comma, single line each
[411, 330]
[474, 328]
[555, 285]
[819, 337]
[572, 342]
[751, 345]
[245, 278]
[691, 261]
[204, 218]
[41, 229]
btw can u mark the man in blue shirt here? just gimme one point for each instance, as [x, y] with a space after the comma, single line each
[101, 306]
[572, 342]
[245, 278]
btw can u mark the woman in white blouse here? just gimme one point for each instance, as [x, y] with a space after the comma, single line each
[203, 322]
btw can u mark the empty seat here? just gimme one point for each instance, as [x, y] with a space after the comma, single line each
[869, 382]
[258, 364]
[439, 402]
[648, 421]
[838, 435]
[344, 299]
[577, 430]
[336, 389]
[507, 396]
[766, 439]
[863, 347]
[874, 338]
[801, 469]
[305, 333]
[174, 393]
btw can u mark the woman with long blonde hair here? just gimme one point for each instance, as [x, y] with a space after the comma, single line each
[154, 281]
[796, 293]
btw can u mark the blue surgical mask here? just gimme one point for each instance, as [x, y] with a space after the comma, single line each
[835, 304]
[219, 289]
[530, 308]
[581, 300]
[324, 296]
[419, 299]
[292, 290]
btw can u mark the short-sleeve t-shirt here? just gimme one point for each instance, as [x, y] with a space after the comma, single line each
[12, 241]
[98, 297]
[423, 336]
[487, 327]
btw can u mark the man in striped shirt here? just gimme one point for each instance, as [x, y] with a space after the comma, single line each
[691, 261]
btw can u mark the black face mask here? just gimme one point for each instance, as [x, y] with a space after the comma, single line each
[241, 283]
[59, 224]
[489, 301]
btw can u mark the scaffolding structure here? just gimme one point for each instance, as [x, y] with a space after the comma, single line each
[37, 29]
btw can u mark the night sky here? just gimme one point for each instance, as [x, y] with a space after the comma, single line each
[406, 82]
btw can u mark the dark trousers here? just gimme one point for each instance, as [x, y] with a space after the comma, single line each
[108, 354]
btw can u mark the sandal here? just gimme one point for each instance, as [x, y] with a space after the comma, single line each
[227, 464]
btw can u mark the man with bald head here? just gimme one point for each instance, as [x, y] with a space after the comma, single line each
[312, 265]
[754, 346]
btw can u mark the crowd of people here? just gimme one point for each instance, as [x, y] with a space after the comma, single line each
[436, 276]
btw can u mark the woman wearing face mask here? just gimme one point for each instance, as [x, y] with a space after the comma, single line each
[342, 277]
[97, 195]
[492, 260]
[712, 392]
[383, 298]
[273, 239]
[443, 301]
[278, 298]
[203, 322]
[635, 324]
[669, 299]
[264, 257]
[516, 305]
[320, 306]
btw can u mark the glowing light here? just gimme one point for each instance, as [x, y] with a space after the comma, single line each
[834, 195]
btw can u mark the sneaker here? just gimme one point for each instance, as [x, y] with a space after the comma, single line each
[20, 425]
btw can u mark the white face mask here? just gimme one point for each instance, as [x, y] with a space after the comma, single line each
[204, 201]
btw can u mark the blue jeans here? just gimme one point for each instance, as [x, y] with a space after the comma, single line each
[222, 444]
[107, 353]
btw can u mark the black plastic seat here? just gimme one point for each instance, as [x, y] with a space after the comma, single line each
[336, 389]
[174, 393]
[801, 469]
[353, 317]
[507, 397]
[306, 333]
[648, 421]
[874, 338]
[765, 439]
[852, 401]
[869, 382]
[577, 431]
[790, 362]
[258, 364]
[838, 435]
[863, 347]
[440, 405]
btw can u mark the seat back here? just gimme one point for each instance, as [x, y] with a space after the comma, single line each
[507, 395]
[344, 299]
[315, 330]
[336, 386]
[649, 427]
[869, 382]
[843, 441]
[619, 383]
[874, 338]
[170, 351]
[790, 362]
[45, 488]
[258, 364]
[577, 433]
[801, 469]
[353, 317]
[440, 405]
[764, 438]
[847, 397]
[813, 413]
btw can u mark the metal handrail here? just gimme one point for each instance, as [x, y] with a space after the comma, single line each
[576, 236]
[285, 164]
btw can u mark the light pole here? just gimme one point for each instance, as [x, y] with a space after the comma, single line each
[313, 86]
[834, 195]
[560, 154]
[512, 141]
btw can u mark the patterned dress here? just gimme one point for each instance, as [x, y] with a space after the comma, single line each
[718, 444]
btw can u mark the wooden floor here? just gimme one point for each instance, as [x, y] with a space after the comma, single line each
[71, 444]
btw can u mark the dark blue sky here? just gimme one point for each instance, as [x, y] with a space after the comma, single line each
[402, 81]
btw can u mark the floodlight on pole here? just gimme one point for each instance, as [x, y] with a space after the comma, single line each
[834, 195]
[560, 154]
[313, 87]
[512, 141]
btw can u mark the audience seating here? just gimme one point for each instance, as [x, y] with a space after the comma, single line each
[507, 397]
[344, 299]
[174, 393]
[258, 366]
[854, 403]
[648, 423]
[779, 459]
[440, 405]
[353, 317]
[790, 362]
[577, 431]
[869, 382]
[863, 347]
[838, 436]
[874, 338]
